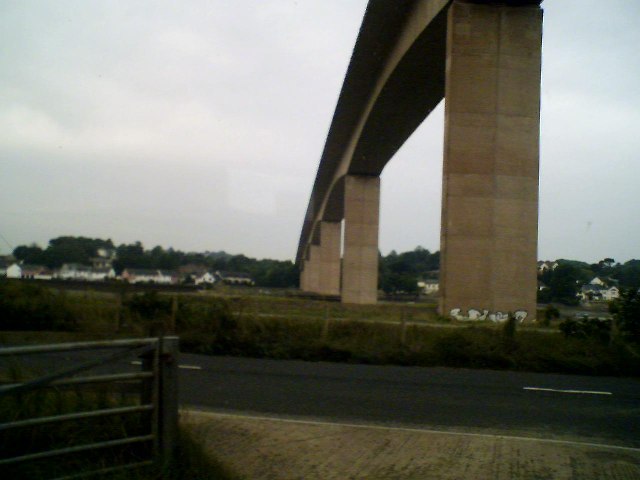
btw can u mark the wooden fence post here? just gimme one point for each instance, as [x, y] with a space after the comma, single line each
[168, 417]
[325, 324]
[403, 328]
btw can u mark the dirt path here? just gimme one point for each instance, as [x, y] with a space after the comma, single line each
[267, 448]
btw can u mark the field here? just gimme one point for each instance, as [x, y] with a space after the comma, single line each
[257, 324]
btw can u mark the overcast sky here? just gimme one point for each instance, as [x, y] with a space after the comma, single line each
[199, 125]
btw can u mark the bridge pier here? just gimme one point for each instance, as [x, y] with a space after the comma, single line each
[360, 260]
[490, 185]
[329, 282]
[321, 266]
[310, 275]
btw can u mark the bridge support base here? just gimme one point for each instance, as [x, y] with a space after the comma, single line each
[490, 186]
[310, 275]
[360, 261]
[330, 233]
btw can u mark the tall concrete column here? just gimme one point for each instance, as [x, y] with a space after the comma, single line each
[360, 262]
[311, 272]
[329, 282]
[303, 277]
[490, 186]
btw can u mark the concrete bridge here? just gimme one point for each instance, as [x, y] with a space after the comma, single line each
[484, 58]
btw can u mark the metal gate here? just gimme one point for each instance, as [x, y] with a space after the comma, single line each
[123, 416]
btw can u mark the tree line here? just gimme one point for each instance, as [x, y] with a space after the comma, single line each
[398, 272]
[564, 281]
[68, 249]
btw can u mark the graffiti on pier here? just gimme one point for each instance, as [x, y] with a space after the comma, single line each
[477, 315]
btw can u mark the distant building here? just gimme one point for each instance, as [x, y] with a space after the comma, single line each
[235, 278]
[545, 266]
[26, 271]
[145, 275]
[13, 271]
[598, 293]
[603, 281]
[428, 286]
[108, 253]
[101, 262]
[78, 272]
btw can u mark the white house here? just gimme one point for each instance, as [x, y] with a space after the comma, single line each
[207, 278]
[14, 271]
[235, 278]
[546, 266]
[75, 271]
[36, 272]
[109, 253]
[145, 275]
[610, 293]
[597, 293]
[428, 286]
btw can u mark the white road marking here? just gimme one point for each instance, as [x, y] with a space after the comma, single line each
[185, 367]
[585, 392]
[211, 413]
[190, 367]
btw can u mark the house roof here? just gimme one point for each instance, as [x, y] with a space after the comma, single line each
[592, 288]
[147, 272]
[233, 275]
[78, 267]
[102, 270]
[193, 268]
[33, 268]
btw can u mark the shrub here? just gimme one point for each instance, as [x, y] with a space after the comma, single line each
[626, 311]
[586, 328]
[27, 306]
[550, 313]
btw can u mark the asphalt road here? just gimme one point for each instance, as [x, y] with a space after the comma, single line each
[592, 409]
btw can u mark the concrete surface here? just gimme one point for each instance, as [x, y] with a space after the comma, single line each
[269, 448]
[361, 217]
[489, 230]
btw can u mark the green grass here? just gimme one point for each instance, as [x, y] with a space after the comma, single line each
[191, 461]
[269, 326]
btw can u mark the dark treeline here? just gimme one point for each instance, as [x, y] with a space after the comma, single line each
[67, 249]
[399, 272]
[62, 250]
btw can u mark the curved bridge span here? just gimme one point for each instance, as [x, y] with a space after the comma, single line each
[483, 57]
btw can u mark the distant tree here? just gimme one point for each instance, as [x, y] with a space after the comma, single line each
[400, 272]
[564, 282]
[626, 312]
[275, 274]
[628, 274]
[130, 256]
[550, 313]
[68, 249]
[29, 254]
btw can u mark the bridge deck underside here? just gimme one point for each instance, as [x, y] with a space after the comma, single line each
[374, 117]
